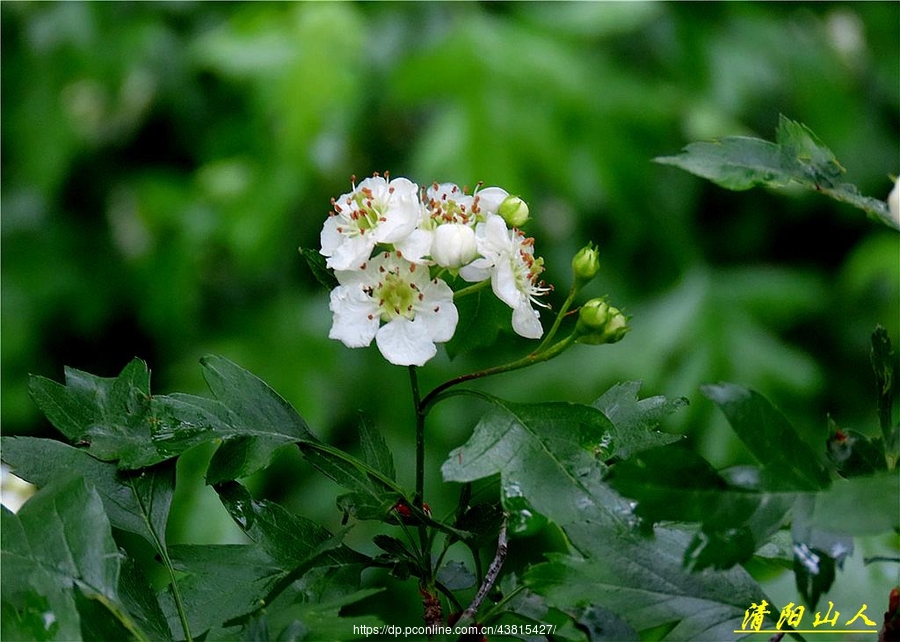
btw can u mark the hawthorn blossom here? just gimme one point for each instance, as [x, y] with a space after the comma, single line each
[395, 302]
[446, 234]
[507, 258]
[377, 211]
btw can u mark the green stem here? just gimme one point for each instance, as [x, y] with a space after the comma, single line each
[418, 498]
[472, 289]
[558, 321]
[176, 595]
[535, 357]
[170, 569]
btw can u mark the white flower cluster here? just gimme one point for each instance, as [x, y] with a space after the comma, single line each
[390, 243]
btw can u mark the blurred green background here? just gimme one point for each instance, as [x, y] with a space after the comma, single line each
[162, 162]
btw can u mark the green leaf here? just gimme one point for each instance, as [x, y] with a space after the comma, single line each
[263, 421]
[220, 583]
[117, 419]
[167, 427]
[301, 613]
[316, 263]
[140, 600]
[788, 462]
[134, 502]
[86, 400]
[635, 420]
[291, 540]
[881, 357]
[735, 163]
[256, 407]
[456, 576]
[542, 452]
[674, 483]
[860, 505]
[376, 452]
[797, 156]
[481, 318]
[62, 554]
[644, 583]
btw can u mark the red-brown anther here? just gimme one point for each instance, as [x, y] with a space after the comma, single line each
[363, 266]
[371, 317]
[421, 296]
[840, 436]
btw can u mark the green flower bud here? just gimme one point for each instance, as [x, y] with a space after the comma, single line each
[585, 265]
[599, 323]
[514, 211]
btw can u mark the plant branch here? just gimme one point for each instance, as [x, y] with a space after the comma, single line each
[529, 360]
[490, 579]
[418, 498]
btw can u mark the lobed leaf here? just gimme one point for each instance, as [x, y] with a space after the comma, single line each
[376, 452]
[219, 583]
[797, 156]
[58, 554]
[135, 502]
[672, 483]
[544, 453]
[789, 464]
[645, 583]
[290, 539]
[635, 420]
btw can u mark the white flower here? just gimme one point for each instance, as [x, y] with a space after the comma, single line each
[507, 258]
[416, 311]
[446, 234]
[893, 201]
[375, 211]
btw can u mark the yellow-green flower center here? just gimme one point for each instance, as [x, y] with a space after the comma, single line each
[396, 297]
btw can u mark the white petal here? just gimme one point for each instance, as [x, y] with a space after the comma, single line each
[404, 211]
[490, 198]
[405, 343]
[355, 319]
[477, 271]
[526, 321]
[496, 239]
[416, 246]
[330, 238]
[351, 253]
[438, 311]
[503, 282]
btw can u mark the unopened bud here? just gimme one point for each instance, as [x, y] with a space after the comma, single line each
[585, 265]
[514, 211]
[453, 245]
[599, 323]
